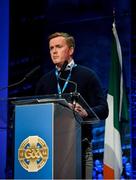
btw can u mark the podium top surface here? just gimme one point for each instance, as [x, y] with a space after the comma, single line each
[62, 99]
[54, 98]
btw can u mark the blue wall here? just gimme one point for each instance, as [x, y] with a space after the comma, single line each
[4, 38]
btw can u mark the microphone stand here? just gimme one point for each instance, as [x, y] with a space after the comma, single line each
[74, 94]
[75, 99]
[22, 80]
[72, 82]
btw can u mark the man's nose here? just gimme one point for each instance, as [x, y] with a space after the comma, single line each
[54, 50]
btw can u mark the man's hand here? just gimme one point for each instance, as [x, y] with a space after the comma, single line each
[78, 108]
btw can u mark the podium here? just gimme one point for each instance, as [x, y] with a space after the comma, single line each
[47, 140]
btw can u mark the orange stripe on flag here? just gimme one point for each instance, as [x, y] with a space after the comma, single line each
[108, 172]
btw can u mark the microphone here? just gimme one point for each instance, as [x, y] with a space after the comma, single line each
[76, 97]
[61, 71]
[22, 80]
[63, 67]
[32, 72]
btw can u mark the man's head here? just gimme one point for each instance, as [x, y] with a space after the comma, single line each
[61, 47]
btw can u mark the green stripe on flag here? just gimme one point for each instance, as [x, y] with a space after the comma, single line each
[114, 84]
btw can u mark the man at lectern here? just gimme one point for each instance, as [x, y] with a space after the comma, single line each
[61, 46]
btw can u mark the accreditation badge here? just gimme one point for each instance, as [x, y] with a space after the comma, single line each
[33, 153]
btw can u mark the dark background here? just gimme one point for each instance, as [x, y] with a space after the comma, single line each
[90, 22]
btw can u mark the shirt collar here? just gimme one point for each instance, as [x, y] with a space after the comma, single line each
[69, 66]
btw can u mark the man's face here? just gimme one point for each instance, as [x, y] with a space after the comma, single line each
[59, 50]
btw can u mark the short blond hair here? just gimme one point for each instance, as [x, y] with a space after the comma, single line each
[69, 39]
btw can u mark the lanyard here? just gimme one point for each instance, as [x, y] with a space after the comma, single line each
[60, 91]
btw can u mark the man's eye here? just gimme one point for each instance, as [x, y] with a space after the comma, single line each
[59, 46]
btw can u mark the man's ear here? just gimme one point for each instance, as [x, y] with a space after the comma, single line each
[71, 51]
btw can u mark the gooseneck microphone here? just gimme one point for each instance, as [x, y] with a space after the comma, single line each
[61, 71]
[22, 80]
[76, 97]
[63, 67]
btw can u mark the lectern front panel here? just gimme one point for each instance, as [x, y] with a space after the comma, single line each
[47, 142]
[33, 153]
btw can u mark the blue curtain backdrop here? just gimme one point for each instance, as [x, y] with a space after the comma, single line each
[4, 47]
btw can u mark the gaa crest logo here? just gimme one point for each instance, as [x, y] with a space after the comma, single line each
[33, 153]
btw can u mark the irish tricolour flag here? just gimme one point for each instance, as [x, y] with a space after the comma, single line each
[112, 142]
